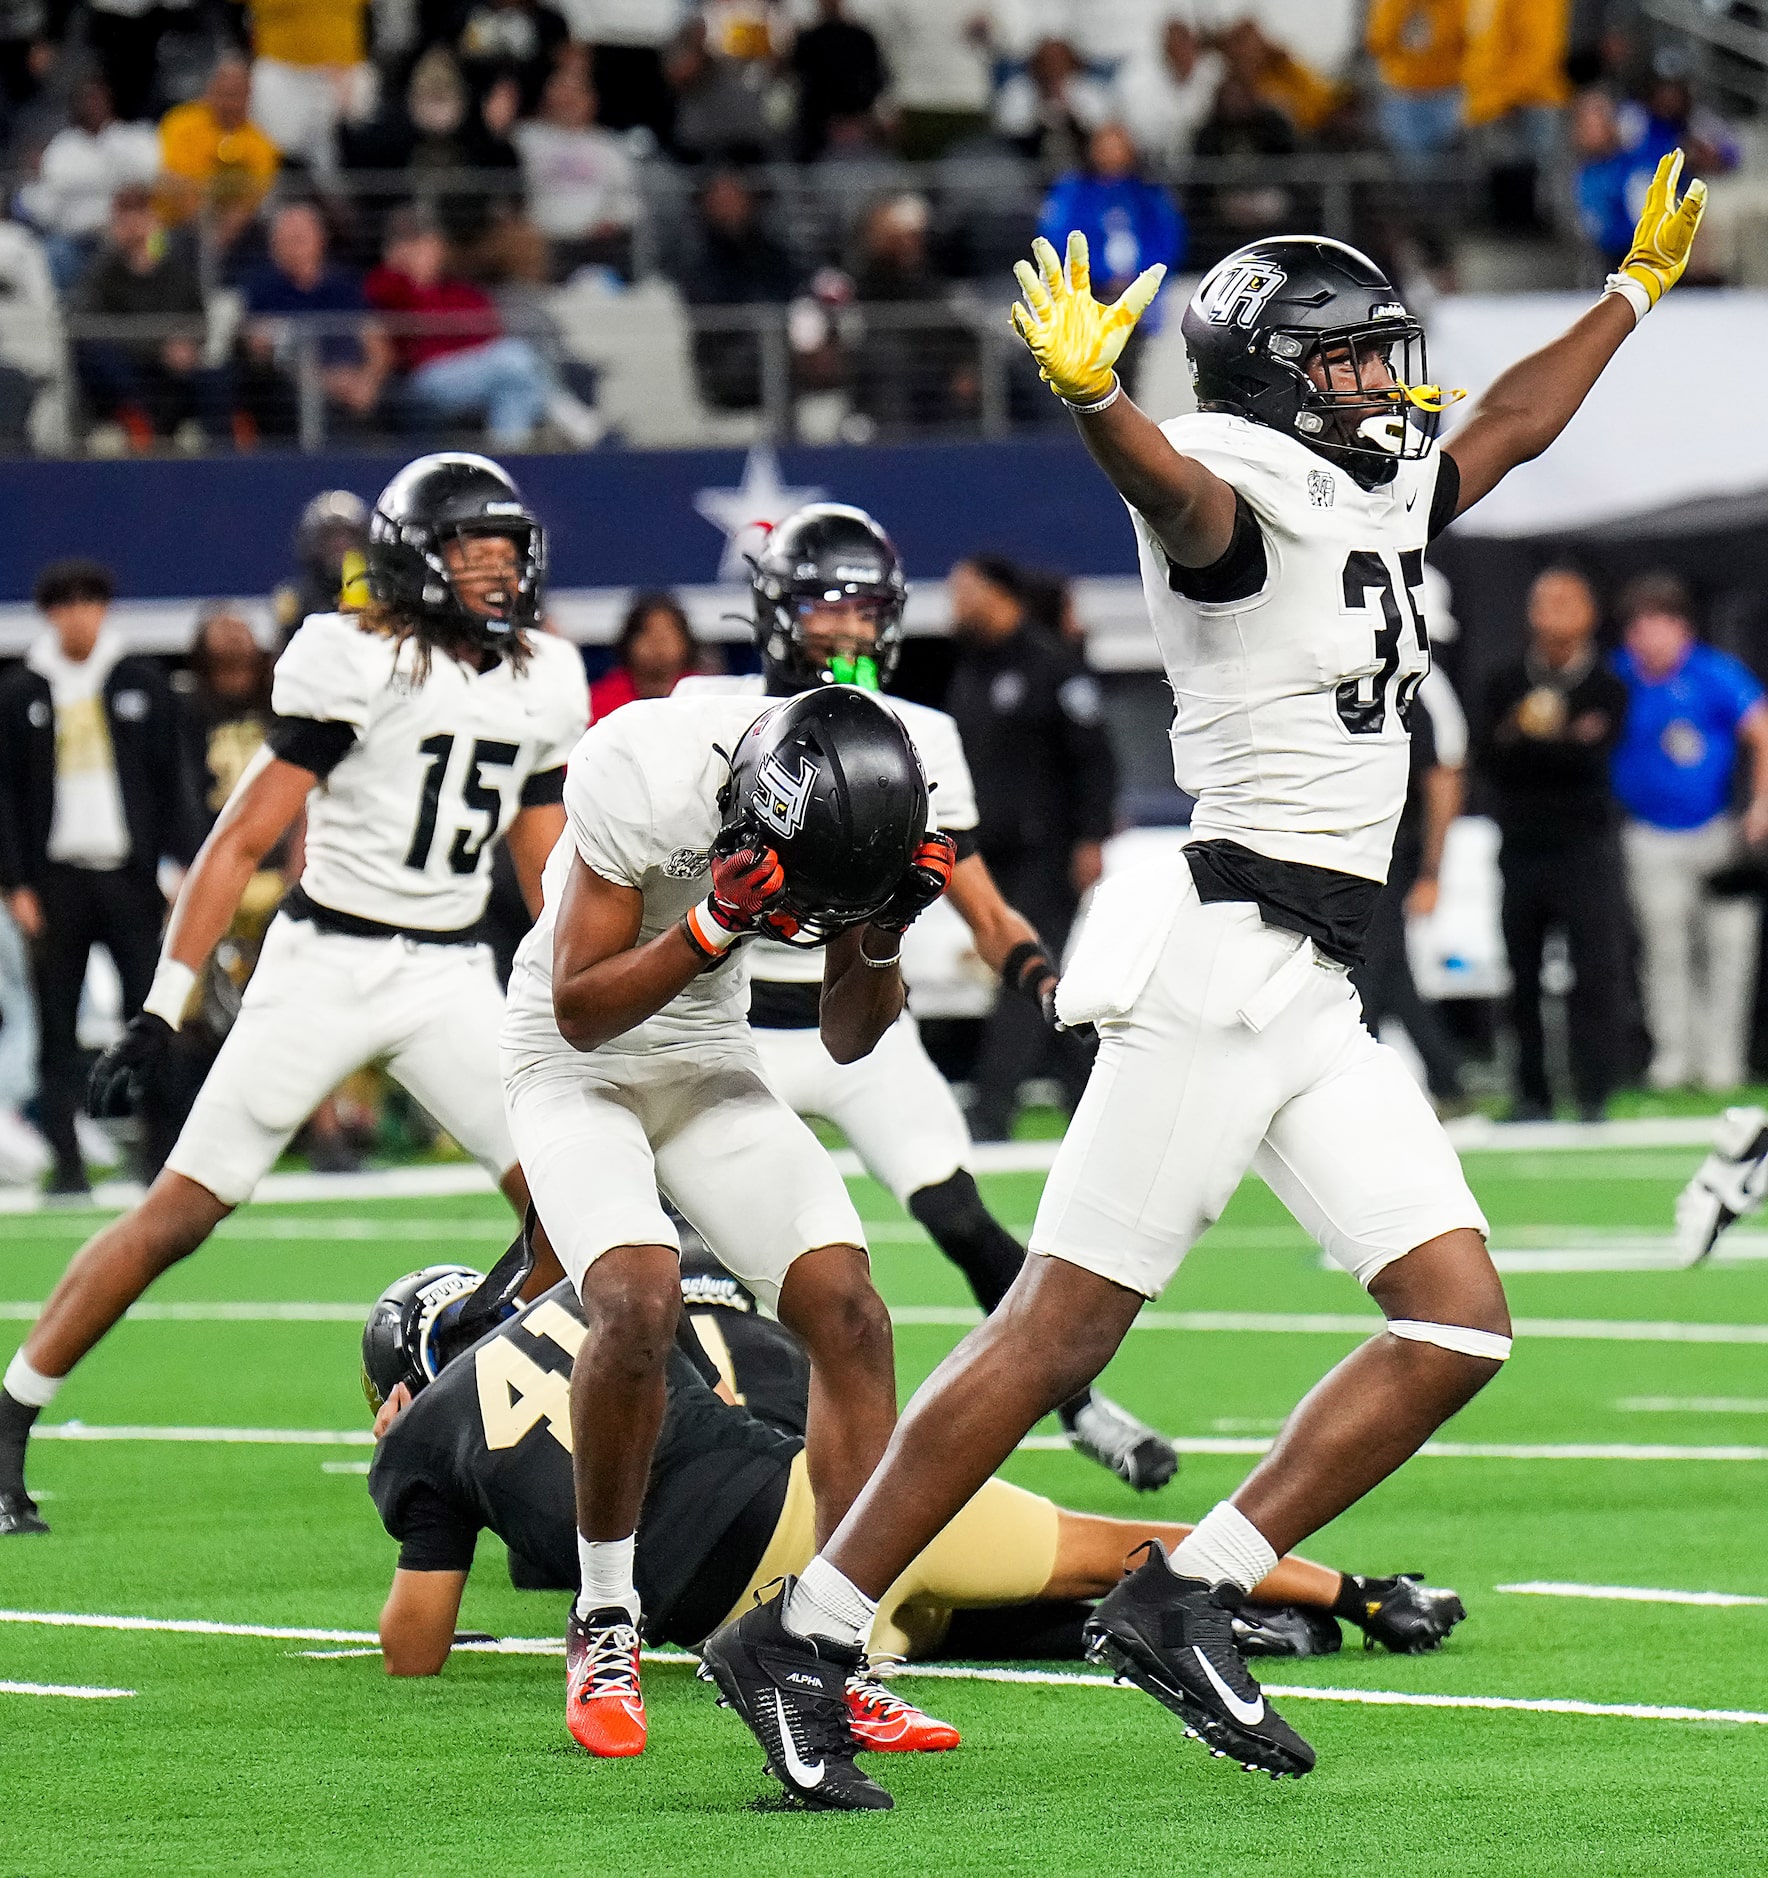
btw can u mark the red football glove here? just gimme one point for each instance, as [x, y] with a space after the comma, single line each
[744, 886]
[926, 877]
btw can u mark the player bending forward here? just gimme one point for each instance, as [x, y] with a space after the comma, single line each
[628, 1067]
[727, 1507]
[1282, 532]
[415, 734]
[829, 593]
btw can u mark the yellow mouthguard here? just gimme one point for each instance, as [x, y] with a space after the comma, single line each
[1431, 397]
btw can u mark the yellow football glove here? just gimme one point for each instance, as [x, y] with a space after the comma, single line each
[1074, 339]
[1664, 236]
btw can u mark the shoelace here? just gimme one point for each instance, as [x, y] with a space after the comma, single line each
[612, 1666]
[879, 1701]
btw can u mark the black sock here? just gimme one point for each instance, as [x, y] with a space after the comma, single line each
[1349, 1602]
[970, 1236]
[16, 1419]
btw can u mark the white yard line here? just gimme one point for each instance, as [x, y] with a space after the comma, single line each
[76, 1690]
[547, 1646]
[248, 1437]
[1188, 1444]
[1626, 1594]
[1693, 1405]
[1472, 1134]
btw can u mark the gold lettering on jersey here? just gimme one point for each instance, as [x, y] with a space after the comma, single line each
[516, 1394]
[553, 1322]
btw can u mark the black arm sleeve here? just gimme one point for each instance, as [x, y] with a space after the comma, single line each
[965, 841]
[1446, 494]
[318, 744]
[543, 787]
[434, 1534]
[1237, 573]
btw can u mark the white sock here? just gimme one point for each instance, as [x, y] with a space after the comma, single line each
[30, 1386]
[825, 1604]
[1224, 1546]
[606, 1569]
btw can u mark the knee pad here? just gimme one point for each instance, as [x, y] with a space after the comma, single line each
[970, 1236]
[1464, 1342]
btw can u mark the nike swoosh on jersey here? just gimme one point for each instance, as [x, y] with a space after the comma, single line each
[801, 1771]
[1412, 498]
[1251, 1713]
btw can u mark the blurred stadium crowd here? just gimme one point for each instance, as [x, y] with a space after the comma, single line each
[1621, 760]
[232, 225]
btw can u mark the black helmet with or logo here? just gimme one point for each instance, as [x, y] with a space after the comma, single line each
[399, 1341]
[1274, 307]
[830, 781]
[437, 499]
[822, 555]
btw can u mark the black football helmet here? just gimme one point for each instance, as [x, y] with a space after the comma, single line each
[433, 500]
[825, 553]
[1273, 307]
[830, 781]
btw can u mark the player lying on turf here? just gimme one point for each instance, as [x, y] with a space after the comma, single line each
[486, 1444]
[1281, 531]
[629, 1071]
[828, 593]
[415, 735]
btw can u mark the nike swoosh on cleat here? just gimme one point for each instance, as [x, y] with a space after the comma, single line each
[801, 1771]
[1250, 1713]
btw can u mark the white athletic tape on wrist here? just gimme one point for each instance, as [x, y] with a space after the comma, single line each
[30, 1386]
[1632, 292]
[169, 992]
[706, 932]
[1456, 1337]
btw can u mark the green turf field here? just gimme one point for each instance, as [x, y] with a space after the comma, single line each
[244, 1755]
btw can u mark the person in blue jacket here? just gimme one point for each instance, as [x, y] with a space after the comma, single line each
[1130, 223]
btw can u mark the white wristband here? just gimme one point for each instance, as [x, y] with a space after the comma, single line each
[170, 992]
[1091, 407]
[706, 933]
[1629, 290]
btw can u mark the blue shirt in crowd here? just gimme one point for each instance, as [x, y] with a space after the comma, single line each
[1674, 763]
[1129, 224]
[270, 293]
[1611, 193]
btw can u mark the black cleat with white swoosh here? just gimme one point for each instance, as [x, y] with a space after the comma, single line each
[792, 1693]
[1174, 1637]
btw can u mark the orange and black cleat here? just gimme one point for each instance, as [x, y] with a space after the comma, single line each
[604, 1706]
[883, 1723]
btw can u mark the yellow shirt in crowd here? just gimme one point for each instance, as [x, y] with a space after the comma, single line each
[228, 165]
[1418, 44]
[309, 32]
[1515, 56]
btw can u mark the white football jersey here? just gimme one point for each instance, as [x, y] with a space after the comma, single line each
[953, 803]
[1290, 727]
[641, 806]
[402, 828]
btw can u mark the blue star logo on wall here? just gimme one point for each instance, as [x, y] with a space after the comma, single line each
[745, 514]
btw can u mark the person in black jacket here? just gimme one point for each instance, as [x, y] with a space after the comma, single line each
[1046, 789]
[95, 790]
[1542, 746]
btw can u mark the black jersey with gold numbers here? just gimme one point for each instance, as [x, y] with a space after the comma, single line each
[487, 1445]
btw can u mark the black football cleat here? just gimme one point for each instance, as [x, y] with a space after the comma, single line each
[1174, 1638]
[792, 1693]
[1286, 1630]
[1104, 1431]
[1402, 1613]
[18, 1514]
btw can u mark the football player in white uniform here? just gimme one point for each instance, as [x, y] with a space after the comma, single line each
[829, 593]
[1281, 532]
[695, 823]
[415, 734]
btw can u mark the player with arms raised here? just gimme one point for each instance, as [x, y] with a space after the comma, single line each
[415, 734]
[1281, 532]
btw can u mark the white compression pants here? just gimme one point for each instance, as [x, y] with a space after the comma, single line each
[892, 1105]
[1187, 1095]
